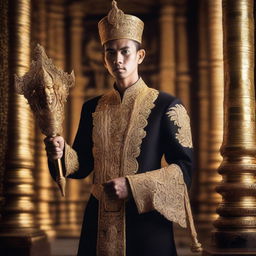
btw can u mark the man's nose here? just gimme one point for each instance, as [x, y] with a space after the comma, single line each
[118, 58]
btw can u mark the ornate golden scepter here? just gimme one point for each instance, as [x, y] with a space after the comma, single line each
[46, 88]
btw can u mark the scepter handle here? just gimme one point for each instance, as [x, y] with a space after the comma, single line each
[60, 179]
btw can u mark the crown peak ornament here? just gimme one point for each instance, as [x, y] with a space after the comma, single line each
[115, 15]
[118, 25]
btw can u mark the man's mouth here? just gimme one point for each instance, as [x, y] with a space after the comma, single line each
[118, 69]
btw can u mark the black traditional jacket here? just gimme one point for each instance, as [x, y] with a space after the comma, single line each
[128, 137]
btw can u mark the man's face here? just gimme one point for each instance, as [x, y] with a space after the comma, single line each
[121, 58]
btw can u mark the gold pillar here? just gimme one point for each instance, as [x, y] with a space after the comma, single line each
[167, 53]
[74, 199]
[4, 93]
[56, 49]
[20, 234]
[182, 83]
[183, 78]
[199, 195]
[235, 232]
[210, 178]
[203, 93]
[77, 94]
[55, 45]
[57, 13]
[44, 183]
[44, 191]
[56, 32]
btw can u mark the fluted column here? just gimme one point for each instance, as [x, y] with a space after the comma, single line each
[44, 183]
[57, 12]
[199, 195]
[56, 49]
[208, 197]
[4, 93]
[235, 232]
[167, 53]
[183, 78]
[74, 200]
[77, 93]
[56, 32]
[20, 234]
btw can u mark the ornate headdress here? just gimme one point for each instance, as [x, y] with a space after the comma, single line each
[117, 25]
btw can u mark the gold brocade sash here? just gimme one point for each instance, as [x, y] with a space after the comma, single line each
[118, 130]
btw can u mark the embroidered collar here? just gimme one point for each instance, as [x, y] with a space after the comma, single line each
[113, 98]
[130, 93]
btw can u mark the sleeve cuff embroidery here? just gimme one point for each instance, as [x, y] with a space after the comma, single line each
[70, 160]
[165, 191]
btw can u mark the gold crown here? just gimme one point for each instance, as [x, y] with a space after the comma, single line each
[117, 25]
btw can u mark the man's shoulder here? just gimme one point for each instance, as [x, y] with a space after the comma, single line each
[91, 104]
[165, 99]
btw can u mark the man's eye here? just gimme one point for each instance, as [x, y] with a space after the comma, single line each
[125, 52]
[110, 53]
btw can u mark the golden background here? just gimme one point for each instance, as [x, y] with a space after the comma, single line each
[184, 42]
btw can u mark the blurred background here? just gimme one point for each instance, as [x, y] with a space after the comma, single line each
[184, 46]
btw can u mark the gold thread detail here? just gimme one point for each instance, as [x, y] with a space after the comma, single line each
[164, 190]
[71, 160]
[178, 114]
[136, 131]
[118, 130]
[166, 193]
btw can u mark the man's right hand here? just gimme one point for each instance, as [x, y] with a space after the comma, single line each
[54, 147]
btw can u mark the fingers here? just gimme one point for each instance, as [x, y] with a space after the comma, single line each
[57, 141]
[54, 147]
[111, 189]
[116, 188]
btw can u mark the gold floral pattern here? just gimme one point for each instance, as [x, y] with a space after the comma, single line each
[178, 114]
[71, 163]
[118, 130]
[164, 190]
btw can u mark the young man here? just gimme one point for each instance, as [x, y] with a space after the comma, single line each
[122, 137]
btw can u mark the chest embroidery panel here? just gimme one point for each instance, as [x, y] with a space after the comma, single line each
[117, 135]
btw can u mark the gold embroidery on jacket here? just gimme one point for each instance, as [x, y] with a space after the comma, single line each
[118, 130]
[167, 194]
[71, 160]
[179, 116]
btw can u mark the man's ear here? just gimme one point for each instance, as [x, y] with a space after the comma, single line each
[141, 54]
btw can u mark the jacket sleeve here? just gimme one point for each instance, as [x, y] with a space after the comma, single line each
[178, 146]
[77, 160]
[163, 189]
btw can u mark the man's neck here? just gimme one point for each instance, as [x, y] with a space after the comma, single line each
[122, 85]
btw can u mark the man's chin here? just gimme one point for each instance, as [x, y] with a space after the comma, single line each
[119, 75]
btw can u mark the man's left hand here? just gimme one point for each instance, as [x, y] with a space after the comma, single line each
[118, 188]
